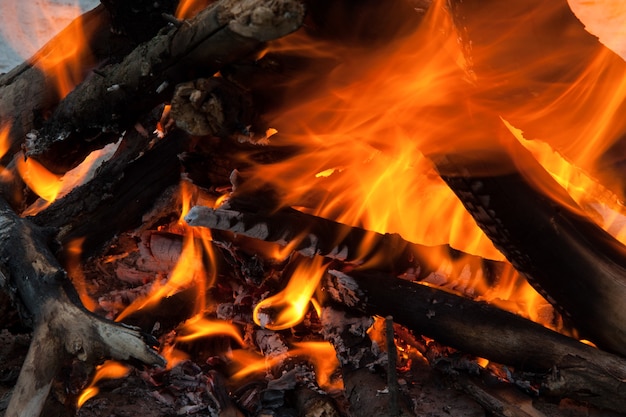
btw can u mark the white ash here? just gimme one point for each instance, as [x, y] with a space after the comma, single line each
[345, 289]
[336, 325]
[270, 343]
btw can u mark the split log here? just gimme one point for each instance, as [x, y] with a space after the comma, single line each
[222, 33]
[62, 325]
[565, 367]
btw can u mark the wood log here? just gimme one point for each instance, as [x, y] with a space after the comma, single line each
[222, 33]
[142, 168]
[33, 276]
[573, 263]
[564, 366]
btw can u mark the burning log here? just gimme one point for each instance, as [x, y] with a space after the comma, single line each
[62, 325]
[222, 33]
[564, 366]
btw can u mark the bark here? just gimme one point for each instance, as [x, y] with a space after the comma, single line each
[130, 182]
[568, 368]
[62, 325]
[222, 33]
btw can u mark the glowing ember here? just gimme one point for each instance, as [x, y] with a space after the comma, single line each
[291, 304]
[108, 370]
[189, 8]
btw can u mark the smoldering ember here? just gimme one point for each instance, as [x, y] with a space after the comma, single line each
[316, 208]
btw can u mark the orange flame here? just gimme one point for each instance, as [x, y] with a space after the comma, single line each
[189, 8]
[43, 182]
[108, 370]
[5, 145]
[65, 60]
[198, 327]
[74, 270]
[190, 268]
[321, 354]
[291, 303]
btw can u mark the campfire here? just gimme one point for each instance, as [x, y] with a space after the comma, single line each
[314, 207]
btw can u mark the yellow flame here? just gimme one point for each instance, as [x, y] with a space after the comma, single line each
[43, 182]
[108, 370]
[324, 359]
[198, 327]
[291, 304]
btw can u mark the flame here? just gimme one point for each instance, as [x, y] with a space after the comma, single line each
[321, 354]
[51, 187]
[5, 145]
[291, 303]
[190, 268]
[189, 8]
[75, 272]
[324, 359]
[66, 58]
[43, 182]
[198, 327]
[108, 370]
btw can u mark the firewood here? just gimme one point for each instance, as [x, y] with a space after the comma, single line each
[222, 33]
[571, 261]
[62, 325]
[566, 367]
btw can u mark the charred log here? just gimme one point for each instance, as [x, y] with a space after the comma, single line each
[565, 366]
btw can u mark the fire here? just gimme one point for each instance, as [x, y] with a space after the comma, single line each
[43, 182]
[108, 370]
[51, 187]
[321, 354]
[190, 270]
[291, 304]
[64, 61]
[189, 8]
[5, 145]
[198, 327]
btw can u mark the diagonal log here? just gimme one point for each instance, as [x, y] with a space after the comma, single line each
[311, 235]
[573, 263]
[222, 33]
[62, 325]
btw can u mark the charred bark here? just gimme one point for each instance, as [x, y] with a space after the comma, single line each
[311, 235]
